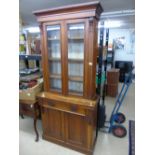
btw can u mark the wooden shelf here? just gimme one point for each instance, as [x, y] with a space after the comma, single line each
[70, 60]
[75, 60]
[55, 76]
[76, 38]
[54, 59]
[73, 92]
[50, 49]
[76, 78]
[71, 78]
[54, 39]
[55, 89]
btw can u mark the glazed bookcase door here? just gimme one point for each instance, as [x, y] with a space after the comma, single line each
[53, 34]
[75, 40]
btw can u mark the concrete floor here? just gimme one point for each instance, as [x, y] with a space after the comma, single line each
[106, 144]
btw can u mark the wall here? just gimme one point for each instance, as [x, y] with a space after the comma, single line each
[128, 53]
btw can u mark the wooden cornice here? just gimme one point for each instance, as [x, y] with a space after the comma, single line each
[83, 10]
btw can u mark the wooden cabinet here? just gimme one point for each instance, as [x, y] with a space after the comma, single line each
[112, 82]
[69, 56]
[69, 121]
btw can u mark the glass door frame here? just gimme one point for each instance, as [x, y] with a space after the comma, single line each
[46, 56]
[76, 21]
[64, 55]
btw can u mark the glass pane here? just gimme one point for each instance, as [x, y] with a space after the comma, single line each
[75, 57]
[55, 67]
[75, 69]
[55, 84]
[53, 37]
[76, 87]
[54, 56]
[76, 41]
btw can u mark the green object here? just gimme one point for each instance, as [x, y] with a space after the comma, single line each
[21, 48]
[102, 79]
[22, 37]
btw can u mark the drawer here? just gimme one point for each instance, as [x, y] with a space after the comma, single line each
[26, 109]
[68, 107]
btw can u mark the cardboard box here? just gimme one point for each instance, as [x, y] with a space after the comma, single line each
[30, 93]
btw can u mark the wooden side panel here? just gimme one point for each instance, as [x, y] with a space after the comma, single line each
[94, 59]
[75, 130]
[91, 58]
[91, 127]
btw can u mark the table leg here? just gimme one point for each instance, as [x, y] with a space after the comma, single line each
[35, 129]
[22, 116]
[35, 122]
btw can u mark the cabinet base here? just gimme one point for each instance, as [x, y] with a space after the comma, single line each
[65, 144]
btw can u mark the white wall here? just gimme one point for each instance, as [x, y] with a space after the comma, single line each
[128, 53]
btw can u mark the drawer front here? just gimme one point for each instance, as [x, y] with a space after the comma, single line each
[65, 107]
[26, 109]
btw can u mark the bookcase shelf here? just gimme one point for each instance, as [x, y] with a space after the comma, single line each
[54, 59]
[56, 76]
[53, 39]
[75, 78]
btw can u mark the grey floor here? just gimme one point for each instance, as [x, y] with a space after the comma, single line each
[106, 144]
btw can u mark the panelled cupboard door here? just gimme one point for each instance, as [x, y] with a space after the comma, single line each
[52, 123]
[75, 130]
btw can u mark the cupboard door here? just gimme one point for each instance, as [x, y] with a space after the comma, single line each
[54, 56]
[52, 123]
[75, 129]
[75, 47]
